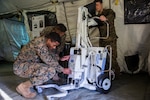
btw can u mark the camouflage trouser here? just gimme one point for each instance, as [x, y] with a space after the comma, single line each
[113, 44]
[38, 73]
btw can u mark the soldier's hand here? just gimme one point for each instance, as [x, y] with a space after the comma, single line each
[67, 71]
[65, 58]
[103, 18]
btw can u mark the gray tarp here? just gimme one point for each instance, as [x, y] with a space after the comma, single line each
[12, 36]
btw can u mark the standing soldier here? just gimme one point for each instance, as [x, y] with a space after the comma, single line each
[107, 15]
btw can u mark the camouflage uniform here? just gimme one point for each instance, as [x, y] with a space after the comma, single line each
[112, 39]
[47, 30]
[61, 46]
[36, 62]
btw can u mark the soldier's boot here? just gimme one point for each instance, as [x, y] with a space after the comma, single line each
[25, 90]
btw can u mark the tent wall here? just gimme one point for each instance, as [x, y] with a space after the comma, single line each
[133, 39]
[11, 6]
[67, 13]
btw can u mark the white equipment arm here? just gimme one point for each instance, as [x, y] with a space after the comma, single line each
[83, 24]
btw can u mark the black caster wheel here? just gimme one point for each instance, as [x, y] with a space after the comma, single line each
[39, 89]
[103, 83]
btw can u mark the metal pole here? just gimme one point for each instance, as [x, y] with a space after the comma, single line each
[67, 22]
[110, 4]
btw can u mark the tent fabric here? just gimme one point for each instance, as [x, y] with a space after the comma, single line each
[12, 36]
[133, 38]
[11, 6]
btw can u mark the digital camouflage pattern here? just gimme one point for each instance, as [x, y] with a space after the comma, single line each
[110, 15]
[36, 62]
[60, 48]
[46, 30]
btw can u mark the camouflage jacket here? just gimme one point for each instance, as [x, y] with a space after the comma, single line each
[110, 15]
[36, 51]
[60, 48]
[46, 30]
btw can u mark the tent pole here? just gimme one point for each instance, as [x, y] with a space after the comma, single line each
[67, 21]
[110, 4]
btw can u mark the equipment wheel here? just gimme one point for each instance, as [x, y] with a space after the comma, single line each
[104, 83]
[39, 89]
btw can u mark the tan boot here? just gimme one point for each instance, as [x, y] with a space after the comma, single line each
[24, 90]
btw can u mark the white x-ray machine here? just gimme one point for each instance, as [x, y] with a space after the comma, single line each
[88, 63]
